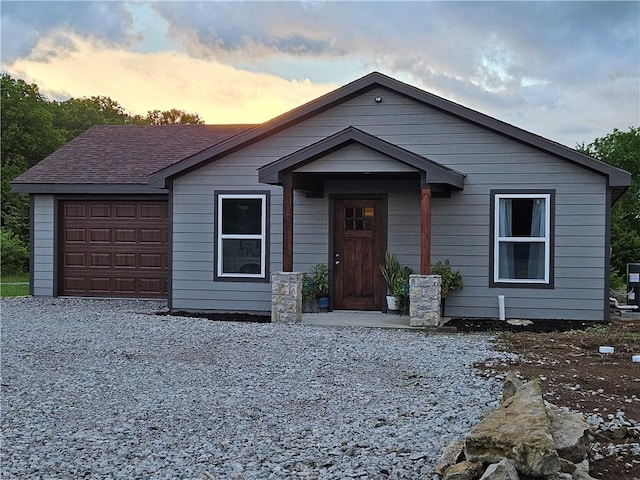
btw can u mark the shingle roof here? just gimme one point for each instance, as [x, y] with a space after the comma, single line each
[122, 154]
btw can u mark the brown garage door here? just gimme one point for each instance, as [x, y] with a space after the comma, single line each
[113, 248]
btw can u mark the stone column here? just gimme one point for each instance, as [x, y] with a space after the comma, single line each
[286, 297]
[424, 300]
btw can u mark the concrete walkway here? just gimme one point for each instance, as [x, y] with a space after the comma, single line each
[354, 318]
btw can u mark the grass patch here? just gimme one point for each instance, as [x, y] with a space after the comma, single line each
[14, 285]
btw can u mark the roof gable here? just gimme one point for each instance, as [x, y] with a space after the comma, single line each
[432, 172]
[618, 178]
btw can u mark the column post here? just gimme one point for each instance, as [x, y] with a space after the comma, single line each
[287, 224]
[425, 231]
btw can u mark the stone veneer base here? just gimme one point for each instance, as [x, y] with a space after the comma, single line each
[424, 300]
[286, 297]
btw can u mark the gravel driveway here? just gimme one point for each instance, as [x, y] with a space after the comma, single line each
[107, 389]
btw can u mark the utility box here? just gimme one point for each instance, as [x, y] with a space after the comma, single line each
[633, 283]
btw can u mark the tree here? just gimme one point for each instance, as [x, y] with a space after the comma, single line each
[74, 116]
[27, 136]
[170, 117]
[27, 123]
[33, 128]
[622, 149]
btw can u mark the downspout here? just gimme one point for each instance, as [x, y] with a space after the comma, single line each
[501, 308]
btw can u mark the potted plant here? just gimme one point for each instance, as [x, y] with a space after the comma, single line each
[397, 279]
[401, 289]
[390, 270]
[308, 294]
[321, 285]
[450, 280]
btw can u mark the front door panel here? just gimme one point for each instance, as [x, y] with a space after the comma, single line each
[357, 254]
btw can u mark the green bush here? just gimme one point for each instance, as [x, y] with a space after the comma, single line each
[15, 254]
[321, 280]
[450, 280]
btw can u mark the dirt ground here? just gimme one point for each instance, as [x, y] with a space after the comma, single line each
[574, 374]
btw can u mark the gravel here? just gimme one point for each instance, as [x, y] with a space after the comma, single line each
[109, 389]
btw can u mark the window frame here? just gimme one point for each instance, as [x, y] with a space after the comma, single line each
[548, 239]
[219, 275]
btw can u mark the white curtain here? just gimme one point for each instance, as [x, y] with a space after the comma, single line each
[536, 249]
[537, 219]
[506, 265]
[505, 217]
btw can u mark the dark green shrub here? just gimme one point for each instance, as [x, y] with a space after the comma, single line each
[450, 280]
[15, 254]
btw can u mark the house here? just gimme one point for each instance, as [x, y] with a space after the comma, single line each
[206, 214]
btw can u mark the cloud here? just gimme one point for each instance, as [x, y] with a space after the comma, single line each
[518, 53]
[560, 69]
[161, 80]
[25, 23]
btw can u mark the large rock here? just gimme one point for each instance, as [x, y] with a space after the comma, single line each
[504, 470]
[452, 454]
[518, 430]
[559, 476]
[510, 386]
[569, 431]
[463, 471]
[582, 471]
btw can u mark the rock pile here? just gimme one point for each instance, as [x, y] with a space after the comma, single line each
[523, 438]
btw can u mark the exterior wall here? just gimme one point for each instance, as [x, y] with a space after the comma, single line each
[460, 224]
[42, 245]
[356, 158]
[192, 255]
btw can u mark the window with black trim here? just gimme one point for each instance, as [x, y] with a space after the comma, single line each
[241, 235]
[522, 238]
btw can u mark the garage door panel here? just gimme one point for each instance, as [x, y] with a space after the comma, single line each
[151, 236]
[114, 249]
[75, 259]
[152, 261]
[100, 210]
[99, 285]
[154, 212]
[100, 235]
[99, 260]
[75, 210]
[75, 285]
[125, 235]
[150, 285]
[125, 286]
[75, 235]
[125, 260]
[126, 211]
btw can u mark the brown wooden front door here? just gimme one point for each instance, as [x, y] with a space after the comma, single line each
[358, 252]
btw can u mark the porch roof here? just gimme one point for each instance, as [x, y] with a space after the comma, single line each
[431, 173]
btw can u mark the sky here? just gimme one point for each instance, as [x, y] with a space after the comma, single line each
[568, 71]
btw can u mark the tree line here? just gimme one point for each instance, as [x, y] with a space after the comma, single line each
[34, 127]
[622, 149]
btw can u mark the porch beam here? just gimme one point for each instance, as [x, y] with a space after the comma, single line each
[287, 224]
[425, 231]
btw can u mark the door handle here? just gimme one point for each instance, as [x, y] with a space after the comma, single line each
[337, 262]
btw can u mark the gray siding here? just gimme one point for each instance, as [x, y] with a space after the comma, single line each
[460, 224]
[356, 158]
[43, 245]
